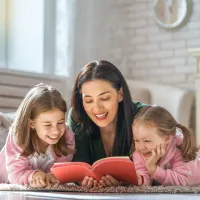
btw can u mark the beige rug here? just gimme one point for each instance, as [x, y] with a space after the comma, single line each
[117, 189]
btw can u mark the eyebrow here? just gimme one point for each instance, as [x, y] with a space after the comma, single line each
[51, 122]
[86, 95]
[144, 138]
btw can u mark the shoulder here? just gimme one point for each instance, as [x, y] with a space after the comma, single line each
[69, 138]
[139, 105]
[69, 133]
[71, 122]
[178, 137]
[69, 117]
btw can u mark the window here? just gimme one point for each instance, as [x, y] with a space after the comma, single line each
[35, 35]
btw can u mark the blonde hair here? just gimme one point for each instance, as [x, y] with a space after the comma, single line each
[166, 126]
[39, 99]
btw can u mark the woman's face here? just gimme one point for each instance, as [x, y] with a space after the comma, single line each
[101, 101]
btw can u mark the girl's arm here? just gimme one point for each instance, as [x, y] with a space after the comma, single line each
[140, 167]
[177, 175]
[18, 168]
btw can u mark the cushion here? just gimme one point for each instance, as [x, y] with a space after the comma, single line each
[140, 94]
[5, 124]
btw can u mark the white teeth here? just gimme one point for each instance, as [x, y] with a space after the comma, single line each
[101, 115]
[53, 137]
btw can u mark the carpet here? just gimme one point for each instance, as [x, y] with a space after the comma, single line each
[116, 189]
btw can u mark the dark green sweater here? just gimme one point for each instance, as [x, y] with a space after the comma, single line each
[89, 149]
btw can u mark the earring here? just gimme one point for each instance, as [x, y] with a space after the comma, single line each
[33, 129]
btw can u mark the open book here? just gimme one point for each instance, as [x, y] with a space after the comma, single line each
[121, 168]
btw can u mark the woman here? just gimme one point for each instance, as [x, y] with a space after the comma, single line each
[101, 116]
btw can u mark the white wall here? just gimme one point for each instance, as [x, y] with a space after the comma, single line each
[92, 38]
[25, 35]
[2, 33]
[154, 53]
[125, 33]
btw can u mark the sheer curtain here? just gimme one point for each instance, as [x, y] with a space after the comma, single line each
[37, 36]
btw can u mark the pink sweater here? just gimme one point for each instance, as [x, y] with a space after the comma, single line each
[172, 170]
[17, 169]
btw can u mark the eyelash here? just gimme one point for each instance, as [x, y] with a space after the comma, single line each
[50, 124]
[103, 99]
[144, 141]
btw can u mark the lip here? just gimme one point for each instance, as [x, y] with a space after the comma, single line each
[146, 154]
[56, 138]
[103, 117]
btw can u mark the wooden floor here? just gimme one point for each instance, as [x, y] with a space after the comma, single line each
[62, 195]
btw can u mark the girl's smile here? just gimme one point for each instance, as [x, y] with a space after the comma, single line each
[49, 126]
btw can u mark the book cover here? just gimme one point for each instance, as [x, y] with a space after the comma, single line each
[121, 168]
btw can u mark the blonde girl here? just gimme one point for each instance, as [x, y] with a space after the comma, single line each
[165, 151]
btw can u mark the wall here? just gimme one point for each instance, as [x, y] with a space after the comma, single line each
[2, 33]
[146, 51]
[125, 33]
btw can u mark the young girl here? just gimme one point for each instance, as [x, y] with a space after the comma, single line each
[37, 139]
[163, 154]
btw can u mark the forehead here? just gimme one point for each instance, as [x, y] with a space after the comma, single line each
[95, 87]
[53, 114]
[143, 130]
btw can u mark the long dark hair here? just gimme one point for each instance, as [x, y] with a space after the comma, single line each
[104, 70]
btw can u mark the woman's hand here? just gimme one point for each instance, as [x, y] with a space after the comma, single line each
[107, 181]
[38, 179]
[51, 179]
[89, 182]
[157, 154]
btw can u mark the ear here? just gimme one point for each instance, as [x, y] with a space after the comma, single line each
[32, 124]
[120, 95]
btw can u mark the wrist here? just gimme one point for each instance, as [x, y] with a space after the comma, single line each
[151, 169]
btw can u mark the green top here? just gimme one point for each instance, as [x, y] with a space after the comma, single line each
[89, 149]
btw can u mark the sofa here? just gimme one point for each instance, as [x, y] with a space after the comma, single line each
[177, 101]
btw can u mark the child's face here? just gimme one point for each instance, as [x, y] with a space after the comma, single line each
[147, 138]
[49, 126]
[101, 101]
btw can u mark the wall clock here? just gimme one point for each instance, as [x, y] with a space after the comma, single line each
[170, 13]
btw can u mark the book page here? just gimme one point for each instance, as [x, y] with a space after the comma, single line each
[121, 168]
[72, 164]
[108, 159]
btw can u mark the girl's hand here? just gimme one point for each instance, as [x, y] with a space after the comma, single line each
[157, 154]
[38, 179]
[89, 182]
[139, 178]
[51, 179]
[107, 181]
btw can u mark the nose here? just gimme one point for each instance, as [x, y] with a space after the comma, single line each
[141, 146]
[55, 130]
[97, 106]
